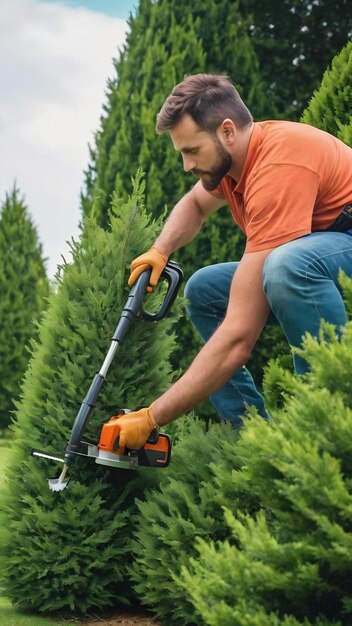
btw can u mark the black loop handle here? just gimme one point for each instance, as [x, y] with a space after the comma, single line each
[173, 274]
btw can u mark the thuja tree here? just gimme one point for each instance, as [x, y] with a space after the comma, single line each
[188, 503]
[24, 289]
[294, 41]
[330, 107]
[70, 550]
[166, 41]
[291, 562]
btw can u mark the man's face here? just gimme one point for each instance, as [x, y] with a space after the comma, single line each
[202, 153]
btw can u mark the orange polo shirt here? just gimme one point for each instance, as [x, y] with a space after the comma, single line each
[296, 179]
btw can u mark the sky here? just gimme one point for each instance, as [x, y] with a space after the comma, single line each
[56, 58]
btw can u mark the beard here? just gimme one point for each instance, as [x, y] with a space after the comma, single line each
[211, 178]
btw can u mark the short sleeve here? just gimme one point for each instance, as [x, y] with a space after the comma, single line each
[279, 202]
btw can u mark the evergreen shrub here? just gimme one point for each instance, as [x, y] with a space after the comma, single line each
[70, 550]
[331, 105]
[24, 290]
[291, 560]
[188, 503]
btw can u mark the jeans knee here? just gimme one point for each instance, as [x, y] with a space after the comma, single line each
[194, 289]
[210, 286]
[279, 276]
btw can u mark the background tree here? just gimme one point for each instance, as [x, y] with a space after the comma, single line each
[70, 550]
[331, 105]
[24, 290]
[294, 41]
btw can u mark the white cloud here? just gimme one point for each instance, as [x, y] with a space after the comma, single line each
[55, 62]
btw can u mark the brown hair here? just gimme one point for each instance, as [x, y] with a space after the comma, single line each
[208, 99]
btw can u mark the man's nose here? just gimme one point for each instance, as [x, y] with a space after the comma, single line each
[188, 163]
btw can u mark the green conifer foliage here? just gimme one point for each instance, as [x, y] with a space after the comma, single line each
[331, 105]
[292, 560]
[70, 550]
[24, 290]
[294, 41]
[188, 503]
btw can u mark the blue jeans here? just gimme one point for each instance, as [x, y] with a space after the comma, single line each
[300, 280]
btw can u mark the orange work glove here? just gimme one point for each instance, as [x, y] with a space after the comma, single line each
[154, 258]
[135, 428]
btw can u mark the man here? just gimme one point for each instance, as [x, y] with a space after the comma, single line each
[286, 185]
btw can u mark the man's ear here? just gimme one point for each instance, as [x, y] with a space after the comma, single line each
[227, 130]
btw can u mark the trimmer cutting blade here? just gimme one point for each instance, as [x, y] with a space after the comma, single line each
[58, 484]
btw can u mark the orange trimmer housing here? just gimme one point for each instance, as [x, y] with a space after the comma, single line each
[156, 451]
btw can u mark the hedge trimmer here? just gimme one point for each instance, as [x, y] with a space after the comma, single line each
[156, 452]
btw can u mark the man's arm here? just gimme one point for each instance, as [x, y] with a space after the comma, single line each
[229, 347]
[180, 228]
[186, 218]
[225, 352]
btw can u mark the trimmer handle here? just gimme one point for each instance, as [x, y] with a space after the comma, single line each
[173, 274]
[133, 308]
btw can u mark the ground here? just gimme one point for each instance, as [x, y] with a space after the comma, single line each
[122, 619]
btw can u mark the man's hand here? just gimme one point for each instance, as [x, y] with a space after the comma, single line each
[135, 428]
[154, 258]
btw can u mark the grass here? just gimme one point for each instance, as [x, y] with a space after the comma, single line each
[11, 617]
[8, 615]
